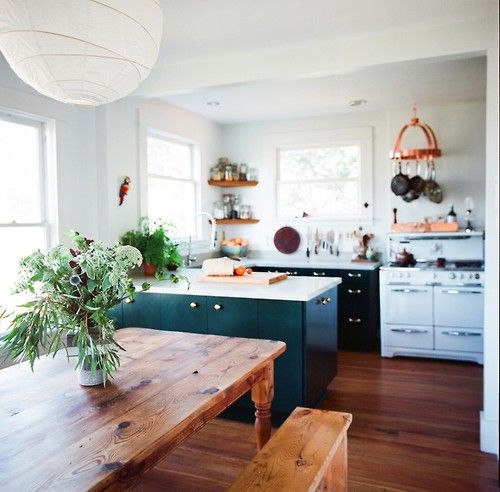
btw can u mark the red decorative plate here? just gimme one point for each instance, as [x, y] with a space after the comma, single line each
[287, 240]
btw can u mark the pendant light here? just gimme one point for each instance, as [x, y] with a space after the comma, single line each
[85, 52]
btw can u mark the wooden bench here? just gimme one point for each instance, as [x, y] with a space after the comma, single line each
[307, 453]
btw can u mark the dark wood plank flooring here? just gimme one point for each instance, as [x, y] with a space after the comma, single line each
[415, 428]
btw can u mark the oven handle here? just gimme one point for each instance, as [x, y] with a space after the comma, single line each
[407, 291]
[408, 330]
[461, 333]
[455, 291]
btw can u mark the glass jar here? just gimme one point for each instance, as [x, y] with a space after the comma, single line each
[243, 172]
[218, 210]
[228, 172]
[235, 172]
[253, 174]
[226, 200]
[245, 212]
[235, 212]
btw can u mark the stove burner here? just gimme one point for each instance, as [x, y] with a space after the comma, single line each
[431, 265]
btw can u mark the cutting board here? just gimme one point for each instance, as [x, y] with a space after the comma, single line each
[257, 278]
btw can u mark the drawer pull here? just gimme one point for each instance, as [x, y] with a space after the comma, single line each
[218, 307]
[319, 274]
[129, 301]
[454, 291]
[194, 305]
[354, 275]
[324, 301]
[461, 333]
[408, 330]
[354, 291]
[408, 291]
[291, 273]
[354, 320]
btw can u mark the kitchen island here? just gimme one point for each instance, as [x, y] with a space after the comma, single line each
[300, 311]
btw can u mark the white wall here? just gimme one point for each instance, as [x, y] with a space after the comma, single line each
[120, 145]
[459, 129]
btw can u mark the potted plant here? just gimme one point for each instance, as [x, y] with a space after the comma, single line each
[72, 290]
[160, 253]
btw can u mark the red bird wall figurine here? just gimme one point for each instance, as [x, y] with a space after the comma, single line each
[124, 189]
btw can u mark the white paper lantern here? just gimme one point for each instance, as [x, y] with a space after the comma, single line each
[86, 52]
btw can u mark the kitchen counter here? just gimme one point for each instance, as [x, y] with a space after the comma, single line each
[292, 289]
[312, 262]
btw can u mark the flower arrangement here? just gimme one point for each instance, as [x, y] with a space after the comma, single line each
[72, 289]
[156, 247]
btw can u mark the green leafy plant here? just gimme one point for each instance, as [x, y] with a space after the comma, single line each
[155, 246]
[72, 289]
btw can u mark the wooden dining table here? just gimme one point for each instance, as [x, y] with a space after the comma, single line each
[58, 435]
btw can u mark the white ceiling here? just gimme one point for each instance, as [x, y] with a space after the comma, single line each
[383, 86]
[211, 28]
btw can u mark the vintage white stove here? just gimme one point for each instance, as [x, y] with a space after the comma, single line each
[431, 311]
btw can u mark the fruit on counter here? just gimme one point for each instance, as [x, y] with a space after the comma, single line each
[241, 270]
[237, 241]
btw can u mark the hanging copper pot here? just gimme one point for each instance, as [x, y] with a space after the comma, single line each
[431, 152]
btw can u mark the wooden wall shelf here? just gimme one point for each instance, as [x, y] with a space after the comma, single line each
[236, 221]
[231, 184]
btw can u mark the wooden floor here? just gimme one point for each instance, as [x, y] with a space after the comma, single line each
[415, 428]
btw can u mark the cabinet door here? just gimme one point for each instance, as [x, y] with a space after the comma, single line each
[144, 311]
[459, 306]
[282, 320]
[232, 317]
[184, 313]
[320, 330]
[409, 305]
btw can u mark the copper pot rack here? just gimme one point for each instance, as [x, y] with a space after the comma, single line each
[431, 152]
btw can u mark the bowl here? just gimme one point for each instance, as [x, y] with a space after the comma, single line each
[234, 251]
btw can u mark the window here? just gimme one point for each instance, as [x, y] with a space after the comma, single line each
[326, 179]
[172, 191]
[24, 226]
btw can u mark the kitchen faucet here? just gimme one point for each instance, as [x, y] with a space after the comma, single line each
[213, 234]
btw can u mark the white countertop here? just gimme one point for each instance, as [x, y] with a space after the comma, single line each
[291, 289]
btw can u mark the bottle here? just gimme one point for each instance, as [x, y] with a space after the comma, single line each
[452, 216]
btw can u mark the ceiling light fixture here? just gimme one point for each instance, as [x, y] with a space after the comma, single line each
[84, 52]
[213, 103]
[357, 102]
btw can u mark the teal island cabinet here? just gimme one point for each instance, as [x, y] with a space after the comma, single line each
[302, 312]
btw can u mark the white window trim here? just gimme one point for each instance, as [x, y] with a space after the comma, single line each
[146, 130]
[48, 173]
[361, 136]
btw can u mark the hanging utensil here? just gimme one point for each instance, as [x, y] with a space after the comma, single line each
[432, 189]
[400, 183]
[417, 183]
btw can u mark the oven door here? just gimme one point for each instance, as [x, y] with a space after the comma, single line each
[408, 305]
[459, 306]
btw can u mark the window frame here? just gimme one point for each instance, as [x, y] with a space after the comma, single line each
[361, 137]
[195, 176]
[44, 186]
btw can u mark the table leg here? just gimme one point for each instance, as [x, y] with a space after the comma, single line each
[262, 396]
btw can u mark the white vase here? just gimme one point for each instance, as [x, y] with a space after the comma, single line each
[88, 378]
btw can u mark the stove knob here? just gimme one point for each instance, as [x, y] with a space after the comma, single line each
[452, 275]
[477, 276]
[471, 276]
[461, 275]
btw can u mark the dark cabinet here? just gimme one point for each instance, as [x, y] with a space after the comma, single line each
[143, 312]
[358, 304]
[184, 313]
[309, 330]
[320, 344]
[232, 316]
[282, 320]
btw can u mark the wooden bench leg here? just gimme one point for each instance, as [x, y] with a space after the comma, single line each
[262, 396]
[335, 478]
